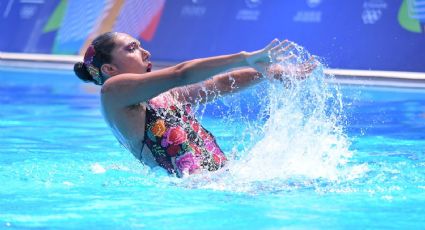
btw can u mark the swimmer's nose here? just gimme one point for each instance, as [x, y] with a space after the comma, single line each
[146, 55]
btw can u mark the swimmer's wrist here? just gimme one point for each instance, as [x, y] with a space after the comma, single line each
[244, 55]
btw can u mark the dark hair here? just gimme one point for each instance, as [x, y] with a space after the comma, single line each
[103, 45]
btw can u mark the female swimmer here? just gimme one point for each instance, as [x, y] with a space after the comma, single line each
[150, 112]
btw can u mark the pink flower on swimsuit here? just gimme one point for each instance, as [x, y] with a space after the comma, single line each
[174, 136]
[218, 155]
[176, 139]
[210, 145]
[177, 135]
[187, 163]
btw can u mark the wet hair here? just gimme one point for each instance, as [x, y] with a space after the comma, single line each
[103, 46]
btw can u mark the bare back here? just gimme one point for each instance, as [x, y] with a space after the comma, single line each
[128, 125]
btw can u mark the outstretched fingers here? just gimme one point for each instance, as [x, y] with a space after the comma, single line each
[272, 44]
[282, 51]
[311, 64]
[307, 68]
[282, 58]
[284, 45]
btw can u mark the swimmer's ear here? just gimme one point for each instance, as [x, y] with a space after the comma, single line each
[109, 69]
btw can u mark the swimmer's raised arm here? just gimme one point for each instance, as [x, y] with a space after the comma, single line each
[129, 89]
[237, 80]
[219, 85]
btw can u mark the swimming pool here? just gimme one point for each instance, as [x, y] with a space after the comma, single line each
[61, 167]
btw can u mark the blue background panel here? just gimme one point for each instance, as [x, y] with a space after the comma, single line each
[362, 34]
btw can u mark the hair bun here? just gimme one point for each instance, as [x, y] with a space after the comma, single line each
[101, 53]
[82, 73]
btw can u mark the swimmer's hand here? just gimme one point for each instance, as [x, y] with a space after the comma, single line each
[288, 71]
[260, 60]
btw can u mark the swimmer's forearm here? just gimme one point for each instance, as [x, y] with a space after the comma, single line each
[236, 80]
[202, 69]
[221, 84]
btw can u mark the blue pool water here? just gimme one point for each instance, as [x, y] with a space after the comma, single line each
[341, 157]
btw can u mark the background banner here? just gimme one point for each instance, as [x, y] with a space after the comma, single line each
[362, 34]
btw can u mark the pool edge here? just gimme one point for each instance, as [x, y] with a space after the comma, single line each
[342, 76]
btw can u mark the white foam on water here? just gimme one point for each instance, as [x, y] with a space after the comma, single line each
[96, 168]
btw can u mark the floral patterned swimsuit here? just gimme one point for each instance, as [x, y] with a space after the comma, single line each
[178, 142]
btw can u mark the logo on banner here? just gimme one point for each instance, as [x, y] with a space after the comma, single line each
[313, 3]
[411, 15]
[251, 12]
[309, 16]
[196, 9]
[198, 1]
[253, 3]
[372, 11]
[28, 11]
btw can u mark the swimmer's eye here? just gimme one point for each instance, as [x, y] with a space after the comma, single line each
[133, 46]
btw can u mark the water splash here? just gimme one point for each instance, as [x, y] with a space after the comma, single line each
[303, 135]
[301, 141]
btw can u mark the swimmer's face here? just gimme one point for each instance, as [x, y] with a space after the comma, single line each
[129, 57]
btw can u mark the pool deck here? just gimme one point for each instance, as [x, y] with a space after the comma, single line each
[343, 76]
